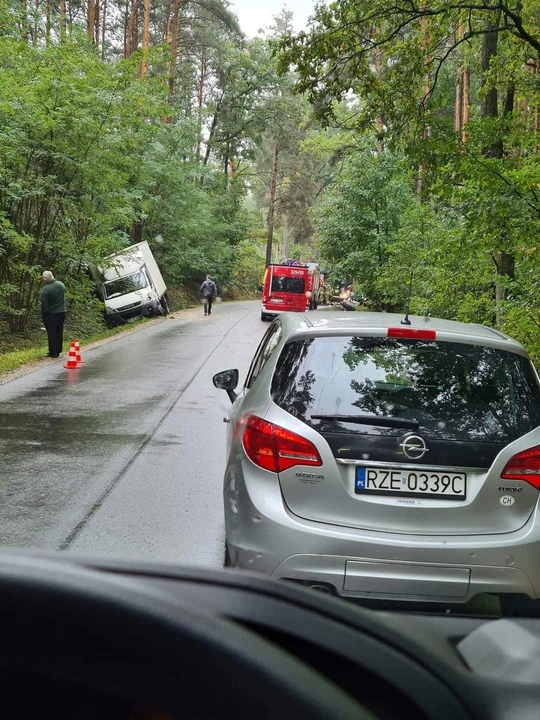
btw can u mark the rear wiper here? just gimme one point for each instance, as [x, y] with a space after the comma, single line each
[379, 420]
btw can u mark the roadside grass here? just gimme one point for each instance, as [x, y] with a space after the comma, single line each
[17, 350]
[13, 359]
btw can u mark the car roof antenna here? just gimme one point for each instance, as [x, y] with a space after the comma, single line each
[406, 320]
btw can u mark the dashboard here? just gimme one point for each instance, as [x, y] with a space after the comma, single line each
[393, 665]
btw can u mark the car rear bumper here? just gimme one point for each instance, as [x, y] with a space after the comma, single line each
[279, 311]
[264, 536]
[387, 580]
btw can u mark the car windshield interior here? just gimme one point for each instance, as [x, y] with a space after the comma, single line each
[269, 359]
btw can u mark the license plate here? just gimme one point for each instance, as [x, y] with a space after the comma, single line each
[276, 300]
[410, 483]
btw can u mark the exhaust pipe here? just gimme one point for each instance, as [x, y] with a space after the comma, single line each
[325, 589]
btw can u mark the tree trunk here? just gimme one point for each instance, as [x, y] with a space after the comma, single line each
[212, 132]
[379, 123]
[174, 45]
[286, 244]
[96, 23]
[36, 26]
[25, 30]
[90, 19]
[490, 104]
[505, 265]
[466, 103]
[62, 19]
[536, 122]
[271, 207]
[134, 26]
[103, 29]
[145, 38]
[167, 22]
[509, 100]
[458, 101]
[226, 164]
[420, 179]
[127, 37]
[504, 261]
[48, 13]
[136, 231]
[425, 130]
[200, 100]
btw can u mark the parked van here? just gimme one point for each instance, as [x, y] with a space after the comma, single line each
[286, 288]
[131, 285]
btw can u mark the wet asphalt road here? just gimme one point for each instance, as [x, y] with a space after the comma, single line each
[126, 455]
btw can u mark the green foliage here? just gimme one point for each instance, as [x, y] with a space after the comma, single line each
[385, 52]
[94, 158]
[373, 177]
[71, 129]
[248, 266]
[359, 222]
[413, 195]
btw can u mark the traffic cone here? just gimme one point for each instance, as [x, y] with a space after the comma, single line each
[78, 352]
[72, 363]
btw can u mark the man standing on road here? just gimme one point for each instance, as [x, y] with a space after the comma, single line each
[209, 292]
[53, 312]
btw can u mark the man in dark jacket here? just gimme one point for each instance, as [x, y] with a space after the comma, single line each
[53, 312]
[209, 292]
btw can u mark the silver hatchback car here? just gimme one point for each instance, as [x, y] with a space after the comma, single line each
[386, 461]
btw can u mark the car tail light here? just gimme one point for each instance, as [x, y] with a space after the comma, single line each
[524, 466]
[276, 449]
[408, 332]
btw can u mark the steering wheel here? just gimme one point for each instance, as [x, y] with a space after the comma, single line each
[115, 635]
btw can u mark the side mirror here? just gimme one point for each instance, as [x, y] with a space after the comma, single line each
[260, 288]
[227, 380]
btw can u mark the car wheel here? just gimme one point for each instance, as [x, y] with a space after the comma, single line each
[164, 302]
[264, 317]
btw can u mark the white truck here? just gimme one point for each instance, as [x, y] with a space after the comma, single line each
[131, 285]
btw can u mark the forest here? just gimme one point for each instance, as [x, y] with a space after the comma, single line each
[395, 143]
[432, 111]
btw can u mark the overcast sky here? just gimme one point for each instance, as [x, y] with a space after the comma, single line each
[252, 18]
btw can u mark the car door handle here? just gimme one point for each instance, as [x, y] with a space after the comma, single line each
[227, 420]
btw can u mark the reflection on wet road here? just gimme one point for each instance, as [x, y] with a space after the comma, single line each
[126, 455]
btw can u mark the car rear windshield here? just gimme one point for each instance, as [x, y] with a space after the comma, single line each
[283, 283]
[453, 390]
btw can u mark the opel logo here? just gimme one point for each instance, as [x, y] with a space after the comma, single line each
[414, 447]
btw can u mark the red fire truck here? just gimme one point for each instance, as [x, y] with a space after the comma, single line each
[289, 288]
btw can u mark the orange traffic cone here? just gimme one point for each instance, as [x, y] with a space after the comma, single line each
[78, 352]
[72, 363]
